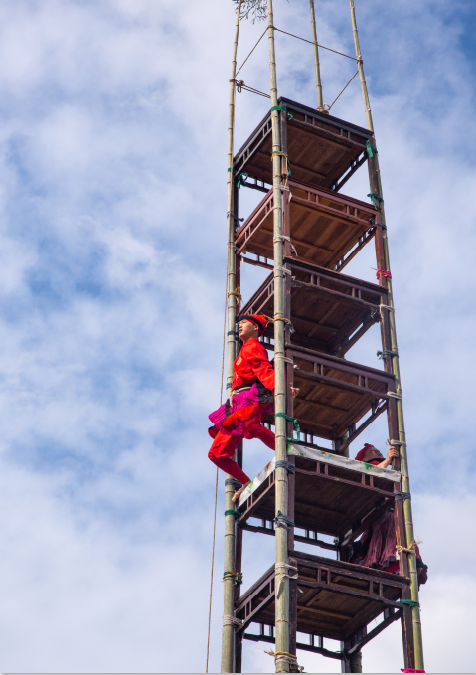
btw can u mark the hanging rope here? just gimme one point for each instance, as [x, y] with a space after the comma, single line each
[316, 43]
[216, 484]
[354, 76]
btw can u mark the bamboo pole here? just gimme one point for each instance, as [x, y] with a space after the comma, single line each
[320, 101]
[407, 510]
[281, 539]
[228, 640]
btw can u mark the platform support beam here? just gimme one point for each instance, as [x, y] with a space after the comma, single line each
[228, 640]
[413, 656]
[281, 538]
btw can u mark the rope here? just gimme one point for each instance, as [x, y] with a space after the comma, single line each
[279, 153]
[229, 620]
[283, 270]
[286, 657]
[316, 43]
[283, 521]
[280, 318]
[236, 293]
[295, 423]
[329, 107]
[393, 441]
[371, 149]
[376, 199]
[216, 484]
[251, 51]
[286, 359]
[233, 512]
[283, 108]
[410, 549]
[382, 306]
[385, 353]
[241, 182]
[410, 603]
[284, 464]
[282, 577]
[282, 237]
[237, 576]
[400, 496]
[241, 85]
[392, 394]
[384, 273]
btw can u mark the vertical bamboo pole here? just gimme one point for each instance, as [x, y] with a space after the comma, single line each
[407, 509]
[281, 539]
[320, 101]
[228, 643]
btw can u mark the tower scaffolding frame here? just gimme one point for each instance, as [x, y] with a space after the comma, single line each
[318, 314]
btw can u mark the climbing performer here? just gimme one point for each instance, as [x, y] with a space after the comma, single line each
[250, 400]
[377, 547]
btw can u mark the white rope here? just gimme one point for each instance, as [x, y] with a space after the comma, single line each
[392, 441]
[283, 270]
[382, 306]
[394, 395]
[280, 357]
[282, 237]
[229, 620]
[282, 577]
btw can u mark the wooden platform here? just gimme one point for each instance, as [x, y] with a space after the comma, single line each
[326, 229]
[323, 150]
[334, 393]
[329, 311]
[336, 601]
[329, 499]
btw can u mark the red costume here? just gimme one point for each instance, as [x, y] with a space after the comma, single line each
[241, 416]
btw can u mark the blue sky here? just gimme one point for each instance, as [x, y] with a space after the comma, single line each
[113, 122]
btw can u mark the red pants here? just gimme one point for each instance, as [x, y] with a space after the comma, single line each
[224, 447]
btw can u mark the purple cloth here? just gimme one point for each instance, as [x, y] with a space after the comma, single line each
[243, 399]
[379, 548]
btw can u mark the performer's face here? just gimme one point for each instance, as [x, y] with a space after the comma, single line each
[247, 330]
[372, 453]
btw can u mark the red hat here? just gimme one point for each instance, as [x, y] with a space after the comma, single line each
[258, 319]
[361, 454]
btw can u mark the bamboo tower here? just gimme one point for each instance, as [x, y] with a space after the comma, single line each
[305, 231]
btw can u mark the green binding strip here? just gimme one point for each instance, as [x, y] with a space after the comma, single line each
[236, 576]
[376, 199]
[367, 465]
[296, 426]
[241, 179]
[232, 512]
[410, 603]
[281, 107]
[371, 149]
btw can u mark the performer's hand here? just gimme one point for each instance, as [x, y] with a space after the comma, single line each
[392, 452]
[294, 391]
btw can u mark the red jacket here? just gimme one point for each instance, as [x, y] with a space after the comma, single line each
[253, 364]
